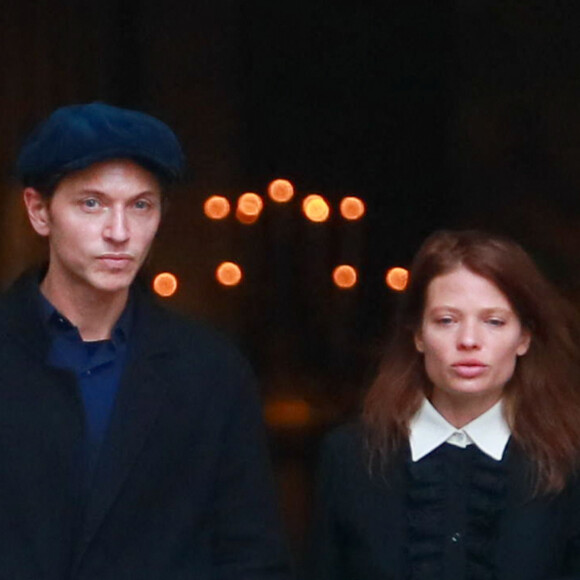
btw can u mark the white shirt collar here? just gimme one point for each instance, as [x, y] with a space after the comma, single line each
[429, 429]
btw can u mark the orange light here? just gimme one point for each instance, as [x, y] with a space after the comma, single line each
[397, 279]
[216, 207]
[245, 218]
[344, 276]
[281, 190]
[287, 413]
[250, 204]
[315, 208]
[228, 274]
[352, 208]
[165, 284]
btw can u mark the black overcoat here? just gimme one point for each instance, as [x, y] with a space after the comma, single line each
[182, 489]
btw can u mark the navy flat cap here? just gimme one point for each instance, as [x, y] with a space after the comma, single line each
[77, 136]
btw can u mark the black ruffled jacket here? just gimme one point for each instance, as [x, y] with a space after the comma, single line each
[456, 514]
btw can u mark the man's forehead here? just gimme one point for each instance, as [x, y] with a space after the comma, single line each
[112, 176]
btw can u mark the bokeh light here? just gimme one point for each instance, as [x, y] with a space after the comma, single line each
[228, 274]
[352, 208]
[287, 413]
[249, 207]
[165, 284]
[246, 219]
[344, 276]
[397, 279]
[316, 208]
[216, 207]
[281, 190]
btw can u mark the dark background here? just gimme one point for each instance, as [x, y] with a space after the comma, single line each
[438, 114]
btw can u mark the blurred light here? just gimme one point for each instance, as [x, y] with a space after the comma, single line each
[228, 274]
[352, 208]
[281, 190]
[245, 218]
[287, 413]
[344, 276]
[397, 279]
[315, 208]
[249, 207]
[216, 207]
[165, 284]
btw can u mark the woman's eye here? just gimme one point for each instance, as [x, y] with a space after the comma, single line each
[496, 322]
[444, 320]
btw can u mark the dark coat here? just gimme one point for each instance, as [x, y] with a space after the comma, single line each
[361, 526]
[182, 489]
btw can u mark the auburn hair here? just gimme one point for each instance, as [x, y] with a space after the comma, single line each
[542, 399]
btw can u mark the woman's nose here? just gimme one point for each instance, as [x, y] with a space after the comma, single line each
[468, 336]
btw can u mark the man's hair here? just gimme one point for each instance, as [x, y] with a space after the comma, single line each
[542, 399]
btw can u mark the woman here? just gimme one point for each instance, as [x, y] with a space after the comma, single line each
[463, 465]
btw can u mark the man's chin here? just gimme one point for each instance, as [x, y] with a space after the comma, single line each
[112, 283]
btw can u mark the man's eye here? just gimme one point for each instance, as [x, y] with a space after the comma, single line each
[91, 203]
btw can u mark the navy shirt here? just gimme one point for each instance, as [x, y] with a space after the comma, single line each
[97, 365]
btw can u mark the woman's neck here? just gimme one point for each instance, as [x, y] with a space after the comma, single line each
[460, 409]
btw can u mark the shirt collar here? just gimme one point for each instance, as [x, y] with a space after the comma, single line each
[429, 430]
[58, 323]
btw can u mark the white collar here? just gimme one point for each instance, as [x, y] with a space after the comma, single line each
[429, 429]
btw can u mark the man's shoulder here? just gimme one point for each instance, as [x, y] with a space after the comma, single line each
[187, 337]
[19, 299]
[345, 439]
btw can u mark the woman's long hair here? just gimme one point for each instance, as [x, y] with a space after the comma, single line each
[542, 399]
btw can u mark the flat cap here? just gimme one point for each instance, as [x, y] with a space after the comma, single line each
[77, 136]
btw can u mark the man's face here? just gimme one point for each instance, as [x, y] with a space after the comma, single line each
[100, 224]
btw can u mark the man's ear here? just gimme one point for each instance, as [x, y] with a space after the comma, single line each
[37, 209]
[418, 341]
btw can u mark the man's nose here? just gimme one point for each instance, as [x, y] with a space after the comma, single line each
[117, 226]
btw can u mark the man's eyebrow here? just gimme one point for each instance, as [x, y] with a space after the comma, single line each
[99, 192]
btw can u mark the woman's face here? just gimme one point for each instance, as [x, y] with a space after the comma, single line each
[470, 338]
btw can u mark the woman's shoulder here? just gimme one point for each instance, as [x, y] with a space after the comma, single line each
[346, 448]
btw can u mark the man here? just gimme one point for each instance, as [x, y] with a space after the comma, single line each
[131, 444]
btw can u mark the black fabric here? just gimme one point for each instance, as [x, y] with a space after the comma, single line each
[454, 499]
[455, 515]
[76, 136]
[182, 489]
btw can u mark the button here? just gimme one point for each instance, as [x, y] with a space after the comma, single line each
[456, 537]
[458, 438]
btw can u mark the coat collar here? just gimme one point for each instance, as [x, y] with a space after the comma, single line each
[24, 320]
[153, 344]
[21, 314]
[141, 393]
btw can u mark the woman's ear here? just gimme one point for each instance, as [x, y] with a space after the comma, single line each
[525, 341]
[37, 209]
[418, 341]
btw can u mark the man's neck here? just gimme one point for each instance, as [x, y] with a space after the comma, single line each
[94, 313]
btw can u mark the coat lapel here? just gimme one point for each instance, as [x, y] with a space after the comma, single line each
[140, 397]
